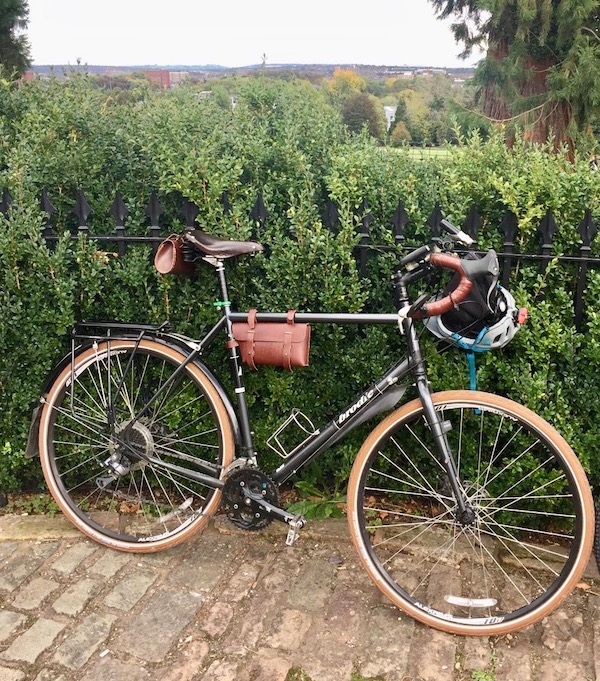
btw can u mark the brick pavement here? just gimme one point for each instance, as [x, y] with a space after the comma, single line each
[233, 606]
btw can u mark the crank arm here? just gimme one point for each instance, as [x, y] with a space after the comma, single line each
[296, 522]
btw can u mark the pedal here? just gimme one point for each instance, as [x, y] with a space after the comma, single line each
[295, 525]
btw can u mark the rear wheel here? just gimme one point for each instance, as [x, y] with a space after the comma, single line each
[514, 558]
[597, 537]
[123, 448]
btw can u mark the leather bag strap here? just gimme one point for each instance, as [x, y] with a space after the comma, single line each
[250, 338]
[287, 341]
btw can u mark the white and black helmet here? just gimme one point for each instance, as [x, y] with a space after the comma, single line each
[503, 321]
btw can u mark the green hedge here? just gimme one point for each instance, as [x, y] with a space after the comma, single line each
[280, 139]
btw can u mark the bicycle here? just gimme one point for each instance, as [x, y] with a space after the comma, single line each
[467, 510]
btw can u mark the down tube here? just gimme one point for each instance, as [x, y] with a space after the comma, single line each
[345, 421]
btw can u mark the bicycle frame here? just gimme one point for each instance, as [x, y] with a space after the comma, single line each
[381, 396]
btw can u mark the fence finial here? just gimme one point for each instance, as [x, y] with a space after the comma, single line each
[399, 221]
[547, 228]
[119, 210]
[331, 215]
[190, 212]
[48, 232]
[472, 222]
[82, 210]
[259, 213]
[5, 203]
[434, 220]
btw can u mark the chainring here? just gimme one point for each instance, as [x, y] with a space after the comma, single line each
[241, 510]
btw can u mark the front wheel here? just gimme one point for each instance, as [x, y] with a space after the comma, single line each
[509, 562]
[128, 442]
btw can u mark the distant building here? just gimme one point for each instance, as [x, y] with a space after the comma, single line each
[166, 79]
[390, 115]
[158, 77]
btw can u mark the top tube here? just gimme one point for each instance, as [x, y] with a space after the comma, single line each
[319, 317]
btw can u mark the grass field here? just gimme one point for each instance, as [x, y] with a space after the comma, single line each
[422, 153]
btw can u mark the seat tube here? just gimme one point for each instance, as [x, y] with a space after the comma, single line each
[235, 363]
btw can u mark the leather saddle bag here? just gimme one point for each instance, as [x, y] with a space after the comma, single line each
[275, 344]
[169, 257]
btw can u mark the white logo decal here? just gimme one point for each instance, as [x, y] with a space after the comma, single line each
[357, 405]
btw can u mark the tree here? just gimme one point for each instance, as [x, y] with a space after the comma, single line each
[361, 109]
[14, 46]
[400, 134]
[542, 69]
[344, 83]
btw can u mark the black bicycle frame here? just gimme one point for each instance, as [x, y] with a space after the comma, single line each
[379, 397]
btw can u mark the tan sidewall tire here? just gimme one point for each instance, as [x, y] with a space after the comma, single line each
[228, 445]
[492, 401]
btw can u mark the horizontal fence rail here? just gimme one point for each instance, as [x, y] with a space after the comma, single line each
[508, 256]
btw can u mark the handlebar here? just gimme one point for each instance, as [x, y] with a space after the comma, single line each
[419, 263]
[437, 307]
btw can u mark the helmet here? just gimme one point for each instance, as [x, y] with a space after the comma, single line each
[492, 331]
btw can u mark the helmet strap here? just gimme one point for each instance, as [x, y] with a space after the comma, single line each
[472, 371]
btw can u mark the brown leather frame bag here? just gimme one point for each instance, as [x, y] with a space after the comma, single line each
[169, 257]
[274, 344]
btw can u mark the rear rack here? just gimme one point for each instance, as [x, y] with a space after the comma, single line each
[102, 330]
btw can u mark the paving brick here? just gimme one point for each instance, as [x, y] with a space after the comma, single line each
[329, 651]
[130, 589]
[313, 585]
[596, 633]
[32, 643]
[240, 584]
[217, 620]
[50, 675]
[108, 669]
[74, 599]
[77, 649]
[8, 547]
[22, 564]
[193, 655]
[36, 528]
[438, 663]
[386, 644]
[513, 656]
[203, 566]
[110, 563]
[9, 622]
[221, 670]
[477, 654]
[157, 626]
[32, 595]
[290, 628]
[247, 632]
[7, 674]
[73, 557]
[268, 665]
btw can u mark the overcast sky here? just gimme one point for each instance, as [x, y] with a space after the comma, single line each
[240, 32]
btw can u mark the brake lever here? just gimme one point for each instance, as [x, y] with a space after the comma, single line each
[418, 304]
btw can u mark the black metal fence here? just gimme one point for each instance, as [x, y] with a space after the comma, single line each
[399, 221]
